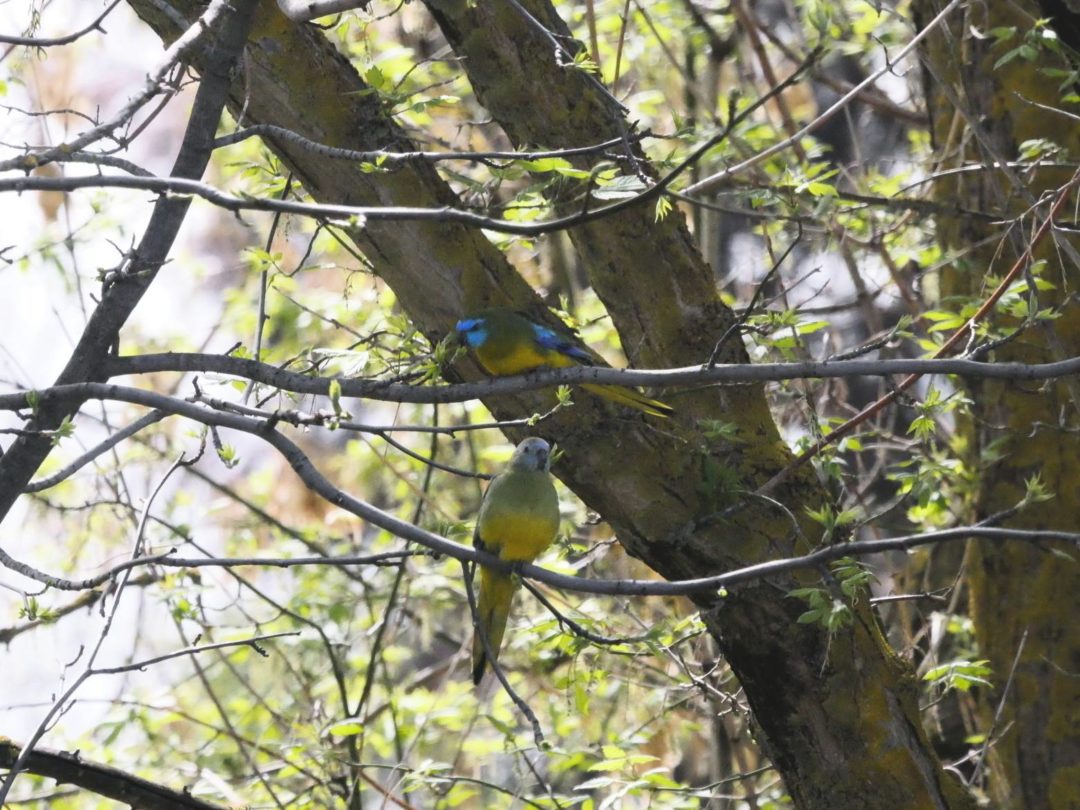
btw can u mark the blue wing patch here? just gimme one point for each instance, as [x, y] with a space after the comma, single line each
[551, 340]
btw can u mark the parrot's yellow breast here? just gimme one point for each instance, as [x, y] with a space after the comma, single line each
[519, 516]
[517, 357]
[519, 537]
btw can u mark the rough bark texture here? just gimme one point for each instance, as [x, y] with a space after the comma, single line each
[839, 715]
[1017, 588]
[515, 74]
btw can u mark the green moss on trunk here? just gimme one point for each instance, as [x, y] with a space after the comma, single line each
[1017, 589]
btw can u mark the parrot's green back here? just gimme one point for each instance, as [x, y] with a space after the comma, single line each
[518, 520]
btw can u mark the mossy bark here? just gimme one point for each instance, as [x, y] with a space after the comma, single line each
[1024, 598]
[839, 714]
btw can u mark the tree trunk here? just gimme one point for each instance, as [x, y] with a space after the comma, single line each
[1024, 598]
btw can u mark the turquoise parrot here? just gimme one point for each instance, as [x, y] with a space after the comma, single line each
[518, 520]
[508, 343]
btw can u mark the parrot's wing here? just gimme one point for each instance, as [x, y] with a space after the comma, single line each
[550, 339]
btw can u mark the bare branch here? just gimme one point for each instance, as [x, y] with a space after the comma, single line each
[104, 780]
[139, 666]
[383, 155]
[977, 771]
[48, 42]
[176, 53]
[357, 214]
[353, 214]
[232, 21]
[84, 600]
[109, 443]
[319, 484]
[167, 559]
[542, 378]
[493, 660]
[308, 10]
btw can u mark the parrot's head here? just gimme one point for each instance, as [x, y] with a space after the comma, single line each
[471, 331]
[533, 455]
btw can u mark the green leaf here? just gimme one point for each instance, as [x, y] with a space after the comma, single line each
[620, 188]
[922, 427]
[228, 456]
[64, 431]
[718, 430]
[346, 728]
[809, 327]
[819, 189]
[33, 611]
[375, 77]
[551, 164]
[960, 675]
[596, 783]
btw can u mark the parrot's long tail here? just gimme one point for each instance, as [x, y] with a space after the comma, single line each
[492, 608]
[630, 397]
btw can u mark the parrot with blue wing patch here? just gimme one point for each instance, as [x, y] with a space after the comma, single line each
[508, 343]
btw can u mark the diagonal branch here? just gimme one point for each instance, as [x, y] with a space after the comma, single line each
[70, 768]
[227, 38]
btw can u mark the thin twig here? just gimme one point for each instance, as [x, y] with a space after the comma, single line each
[176, 53]
[976, 773]
[716, 180]
[49, 42]
[492, 659]
[385, 156]
[106, 445]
